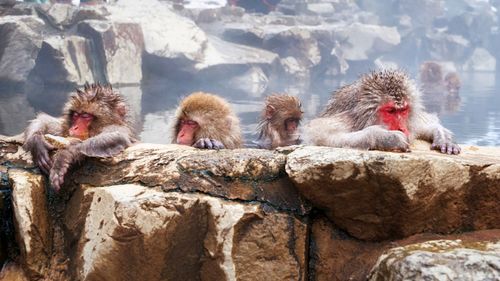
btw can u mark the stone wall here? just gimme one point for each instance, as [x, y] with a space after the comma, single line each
[170, 212]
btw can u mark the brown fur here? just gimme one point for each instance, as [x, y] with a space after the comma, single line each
[452, 82]
[431, 73]
[109, 132]
[360, 101]
[277, 109]
[351, 116]
[214, 116]
[107, 106]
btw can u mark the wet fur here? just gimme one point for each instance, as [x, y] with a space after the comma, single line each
[214, 116]
[109, 134]
[350, 118]
[272, 131]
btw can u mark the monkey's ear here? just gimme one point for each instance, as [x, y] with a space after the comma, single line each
[121, 109]
[270, 110]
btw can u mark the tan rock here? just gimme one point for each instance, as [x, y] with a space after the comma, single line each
[131, 232]
[337, 256]
[31, 218]
[440, 260]
[377, 195]
[242, 174]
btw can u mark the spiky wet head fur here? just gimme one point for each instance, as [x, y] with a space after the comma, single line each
[360, 101]
[107, 107]
[278, 108]
[214, 116]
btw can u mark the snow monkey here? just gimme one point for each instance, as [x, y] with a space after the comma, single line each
[94, 118]
[280, 119]
[379, 111]
[206, 121]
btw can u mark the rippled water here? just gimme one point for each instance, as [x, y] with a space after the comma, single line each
[474, 117]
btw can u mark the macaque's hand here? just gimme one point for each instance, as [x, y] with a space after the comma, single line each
[443, 146]
[62, 161]
[40, 151]
[207, 143]
[390, 140]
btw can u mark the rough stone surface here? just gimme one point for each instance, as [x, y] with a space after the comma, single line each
[68, 60]
[119, 48]
[31, 218]
[166, 34]
[336, 256]
[440, 260]
[21, 41]
[365, 40]
[133, 232]
[241, 174]
[377, 195]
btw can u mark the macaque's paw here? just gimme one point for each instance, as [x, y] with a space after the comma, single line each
[394, 141]
[207, 143]
[447, 147]
[61, 165]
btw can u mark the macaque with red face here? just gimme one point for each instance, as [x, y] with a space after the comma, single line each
[381, 111]
[279, 125]
[94, 119]
[207, 121]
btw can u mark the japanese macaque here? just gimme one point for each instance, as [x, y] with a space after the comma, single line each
[206, 121]
[279, 125]
[94, 119]
[381, 111]
[452, 83]
[431, 77]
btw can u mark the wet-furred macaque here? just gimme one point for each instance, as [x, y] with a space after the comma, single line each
[452, 83]
[279, 124]
[381, 111]
[434, 81]
[95, 120]
[205, 120]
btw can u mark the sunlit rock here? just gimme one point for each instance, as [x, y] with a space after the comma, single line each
[58, 14]
[376, 195]
[67, 58]
[440, 260]
[447, 47]
[166, 34]
[296, 42]
[31, 218]
[21, 41]
[118, 49]
[132, 232]
[481, 60]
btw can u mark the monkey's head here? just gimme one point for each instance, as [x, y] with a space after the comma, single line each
[431, 73]
[283, 113]
[453, 83]
[203, 115]
[385, 98]
[91, 109]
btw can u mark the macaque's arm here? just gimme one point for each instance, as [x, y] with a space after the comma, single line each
[35, 143]
[111, 141]
[427, 127]
[330, 131]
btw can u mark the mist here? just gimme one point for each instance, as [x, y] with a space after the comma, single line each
[156, 52]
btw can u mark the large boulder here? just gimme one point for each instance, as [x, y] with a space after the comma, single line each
[364, 41]
[69, 61]
[31, 217]
[440, 260]
[376, 195]
[172, 236]
[118, 48]
[21, 41]
[167, 35]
